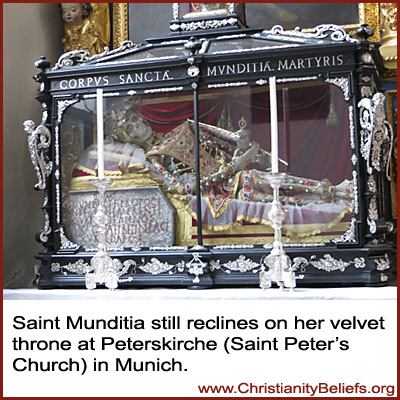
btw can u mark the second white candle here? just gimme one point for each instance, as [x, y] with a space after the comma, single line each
[274, 125]
[100, 134]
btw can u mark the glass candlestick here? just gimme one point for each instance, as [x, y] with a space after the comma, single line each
[278, 262]
[103, 270]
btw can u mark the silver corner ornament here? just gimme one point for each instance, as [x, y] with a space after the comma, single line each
[278, 262]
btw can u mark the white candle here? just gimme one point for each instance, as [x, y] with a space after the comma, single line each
[274, 125]
[100, 134]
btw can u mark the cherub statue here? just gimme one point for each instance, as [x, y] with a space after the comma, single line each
[87, 26]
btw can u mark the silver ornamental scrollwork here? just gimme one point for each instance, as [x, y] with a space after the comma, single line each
[229, 84]
[43, 236]
[233, 246]
[382, 264]
[65, 242]
[81, 267]
[342, 83]
[376, 134]
[270, 245]
[241, 264]
[329, 264]
[175, 10]
[331, 31]
[298, 79]
[156, 267]
[39, 140]
[349, 236]
[373, 209]
[355, 192]
[62, 105]
[351, 126]
[203, 25]
[75, 57]
[372, 206]
[164, 90]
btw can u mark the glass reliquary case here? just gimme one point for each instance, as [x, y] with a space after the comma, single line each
[187, 146]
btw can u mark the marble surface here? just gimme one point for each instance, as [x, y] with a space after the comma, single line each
[342, 293]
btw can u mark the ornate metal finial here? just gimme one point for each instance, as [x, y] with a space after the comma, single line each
[42, 64]
[364, 32]
[193, 45]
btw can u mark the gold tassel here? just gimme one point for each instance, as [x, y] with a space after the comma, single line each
[332, 118]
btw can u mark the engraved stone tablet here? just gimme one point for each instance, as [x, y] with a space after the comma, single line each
[140, 216]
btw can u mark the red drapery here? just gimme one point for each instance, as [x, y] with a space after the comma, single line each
[313, 123]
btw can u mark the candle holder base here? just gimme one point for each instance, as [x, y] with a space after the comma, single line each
[278, 262]
[102, 268]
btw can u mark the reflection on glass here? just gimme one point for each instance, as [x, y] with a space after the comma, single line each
[241, 45]
[150, 142]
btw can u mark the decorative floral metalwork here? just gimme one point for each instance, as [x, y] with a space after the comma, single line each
[270, 245]
[355, 192]
[367, 58]
[65, 242]
[164, 90]
[354, 159]
[168, 248]
[229, 84]
[329, 264]
[62, 105]
[371, 183]
[349, 236]
[204, 25]
[58, 203]
[241, 264]
[382, 264]
[376, 133]
[94, 95]
[39, 140]
[342, 83]
[156, 267]
[57, 145]
[351, 127]
[366, 91]
[299, 79]
[81, 267]
[373, 209]
[44, 234]
[196, 267]
[233, 246]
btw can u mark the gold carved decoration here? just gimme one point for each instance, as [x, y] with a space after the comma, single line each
[388, 27]
[368, 14]
[87, 26]
[120, 24]
[392, 119]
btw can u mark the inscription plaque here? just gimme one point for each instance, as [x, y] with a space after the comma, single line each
[140, 216]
